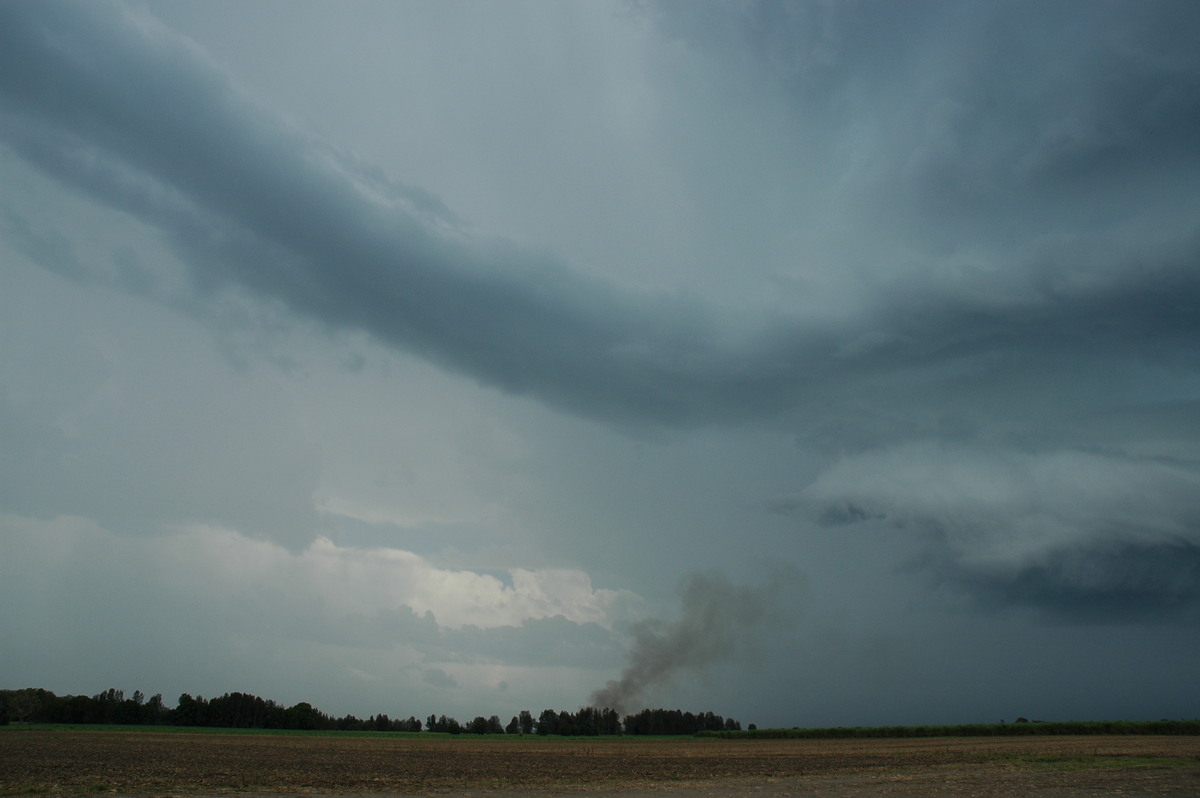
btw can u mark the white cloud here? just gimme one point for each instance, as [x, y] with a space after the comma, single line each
[334, 583]
[382, 619]
[1002, 510]
[456, 598]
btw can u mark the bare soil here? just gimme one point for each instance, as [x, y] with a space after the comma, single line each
[59, 762]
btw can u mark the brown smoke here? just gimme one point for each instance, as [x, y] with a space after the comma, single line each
[717, 618]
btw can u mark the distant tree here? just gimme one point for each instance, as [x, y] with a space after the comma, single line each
[513, 727]
[674, 721]
[155, 712]
[547, 722]
[303, 716]
[128, 710]
[482, 725]
[240, 711]
[525, 719]
[106, 703]
[74, 709]
[610, 721]
[587, 722]
[188, 712]
[22, 705]
[444, 724]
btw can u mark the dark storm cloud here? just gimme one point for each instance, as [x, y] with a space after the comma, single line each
[1103, 582]
[141, 123]
[128, 113]
[972, 123]
[1084, 535]
[1022, 177]
[1039, 162]
[1033, 83]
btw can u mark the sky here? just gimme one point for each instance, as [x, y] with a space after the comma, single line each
[814, 364]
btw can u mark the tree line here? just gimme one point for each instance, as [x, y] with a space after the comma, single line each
[245, 711]
[1021, 727]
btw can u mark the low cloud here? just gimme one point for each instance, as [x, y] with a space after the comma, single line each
[1110, 582]
[437, 677]
[328, 593]
[1067, 530]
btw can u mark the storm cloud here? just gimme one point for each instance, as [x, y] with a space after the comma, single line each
[1078, 532]
[141, 123]
[118, 107]
[902, 294]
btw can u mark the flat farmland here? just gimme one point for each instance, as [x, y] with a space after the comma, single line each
[56, 761]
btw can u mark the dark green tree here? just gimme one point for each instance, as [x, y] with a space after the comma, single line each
[547, 722]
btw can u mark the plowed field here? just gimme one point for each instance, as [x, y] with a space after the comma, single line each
[43, 761]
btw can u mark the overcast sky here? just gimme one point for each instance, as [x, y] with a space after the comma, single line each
[812, 364]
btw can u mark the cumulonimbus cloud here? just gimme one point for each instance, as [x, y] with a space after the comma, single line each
[115, 106]
[1066, 269]
[133, 117]
[1079, 533]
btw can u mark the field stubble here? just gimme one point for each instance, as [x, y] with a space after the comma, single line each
[44, 761]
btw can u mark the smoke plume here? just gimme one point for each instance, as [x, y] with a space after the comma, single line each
[718, 617]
